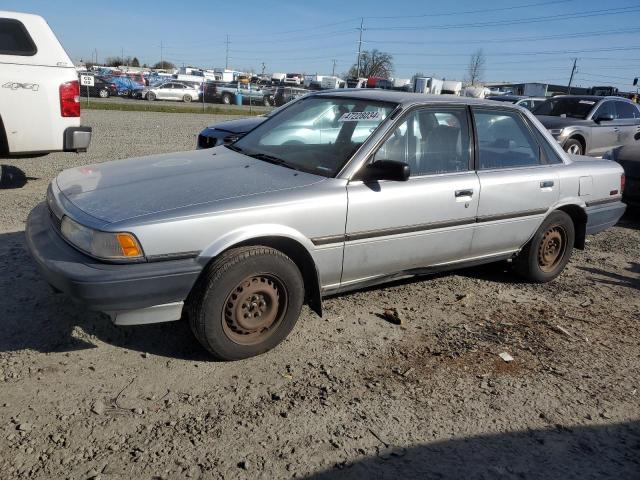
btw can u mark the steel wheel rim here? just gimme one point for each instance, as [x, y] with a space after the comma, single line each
[254, 309]
[552, 248]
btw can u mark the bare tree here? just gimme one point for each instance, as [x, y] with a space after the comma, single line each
[164, 65]
[373, 64]
[475, 70]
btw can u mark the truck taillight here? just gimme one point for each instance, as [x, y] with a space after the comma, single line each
[70, 99]
[622, 180]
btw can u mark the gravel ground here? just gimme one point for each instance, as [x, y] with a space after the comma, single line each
[346, 396]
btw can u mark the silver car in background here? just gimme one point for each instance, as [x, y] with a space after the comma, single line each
[590, 125]
[338, 191]
[526, 102]
[172, 90]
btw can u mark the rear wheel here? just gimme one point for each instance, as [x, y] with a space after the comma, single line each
[227, 99]
[246, 303]
[186, 98]
[573, 146]
[548, 252]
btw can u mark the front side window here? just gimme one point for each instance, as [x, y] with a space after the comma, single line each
[431, 141]
[605, 110]
[317, 135]
[504, 141]
[566, 107]
[14, 39]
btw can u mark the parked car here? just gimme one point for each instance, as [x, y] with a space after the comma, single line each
[171, 91]
[629, 159]
[125, 86]
[39, 98]
[250, 94]
[527, 102]
[101, 88]
[240, 236]
[284, 95]
[137, 77]
[590, 125]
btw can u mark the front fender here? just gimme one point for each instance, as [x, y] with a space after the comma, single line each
[244, 234]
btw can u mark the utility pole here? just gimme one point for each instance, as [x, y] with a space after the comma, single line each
[161, 55]
[122, 56]
[226, 62]
[333, 72]
[360, 47]
[573, 71]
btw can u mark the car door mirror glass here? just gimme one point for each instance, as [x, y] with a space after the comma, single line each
[385, 170]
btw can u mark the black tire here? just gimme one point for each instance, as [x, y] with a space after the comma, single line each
[151, 96]
[573, 146]
[226, 306]
[549, 251]
[266, 102]
[227, 99]
[187, 99]
[103, 93]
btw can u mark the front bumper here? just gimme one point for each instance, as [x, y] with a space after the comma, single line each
[77, 139]
[602, 216]
[104, 286]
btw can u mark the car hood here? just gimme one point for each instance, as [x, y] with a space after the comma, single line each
[125, 189]
[242, 125]
[559, 122]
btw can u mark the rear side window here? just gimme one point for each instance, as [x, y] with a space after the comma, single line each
[14, 39]
[504, 141]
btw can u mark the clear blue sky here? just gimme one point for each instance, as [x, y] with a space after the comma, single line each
[524, 40]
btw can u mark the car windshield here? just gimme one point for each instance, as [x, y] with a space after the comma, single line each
[566, 107]
[315, 135]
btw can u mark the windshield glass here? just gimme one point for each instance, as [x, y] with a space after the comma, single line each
[316, 135]
[566, 107]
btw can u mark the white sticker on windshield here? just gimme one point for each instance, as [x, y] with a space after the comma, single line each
[359, 116]
[587, 102]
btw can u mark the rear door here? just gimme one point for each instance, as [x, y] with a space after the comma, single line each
[518, 180]
[395, 227]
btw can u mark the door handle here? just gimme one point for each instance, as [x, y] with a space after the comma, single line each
[464, 193]
[546, 184]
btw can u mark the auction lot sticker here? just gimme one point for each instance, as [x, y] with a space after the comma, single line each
[359, 116]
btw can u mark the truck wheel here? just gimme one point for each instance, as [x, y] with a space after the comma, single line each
[103, 93]
[226, 99]
[548, 252]
[266, 102]
[246, 302]
[186, 98]
[573, 147]
[151, 96]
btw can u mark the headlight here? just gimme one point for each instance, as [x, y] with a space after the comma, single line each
[556, 132]
[105, 245]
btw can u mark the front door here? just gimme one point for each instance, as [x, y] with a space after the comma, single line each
[519, 181]
[603, 132]
[395, 227]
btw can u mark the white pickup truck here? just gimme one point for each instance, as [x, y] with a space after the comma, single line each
[39, 90]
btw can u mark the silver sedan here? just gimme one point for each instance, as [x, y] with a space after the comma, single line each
[338, 191]
[171, 91]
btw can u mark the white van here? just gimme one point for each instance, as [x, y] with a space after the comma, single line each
[39, 90]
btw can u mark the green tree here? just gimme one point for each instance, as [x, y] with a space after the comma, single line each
[164, 65]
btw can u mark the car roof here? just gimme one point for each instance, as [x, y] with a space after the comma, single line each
[393, 96]
[595, 98]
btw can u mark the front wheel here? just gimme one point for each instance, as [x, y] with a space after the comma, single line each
[151, 96]
[103, 93]
[548, 252]
[246, 303]
[226, 99]
[573, 147]
[266, 102]
[186, 98]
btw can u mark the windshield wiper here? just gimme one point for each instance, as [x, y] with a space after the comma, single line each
[234, 148]
[271, 159]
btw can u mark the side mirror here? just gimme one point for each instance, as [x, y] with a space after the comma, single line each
[385, 170]
[605, 117]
